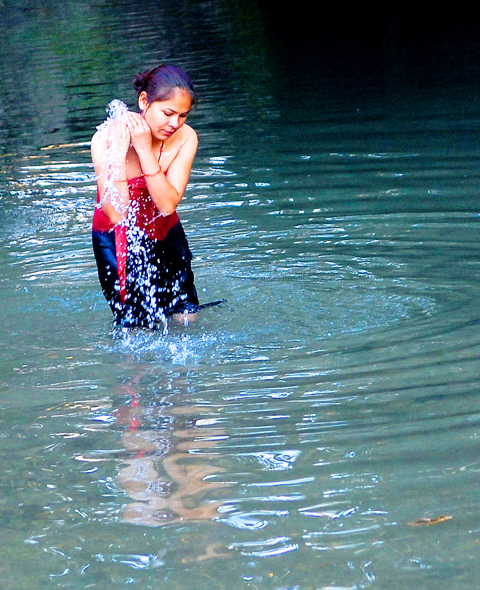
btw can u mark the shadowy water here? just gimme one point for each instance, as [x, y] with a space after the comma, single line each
[312, 432]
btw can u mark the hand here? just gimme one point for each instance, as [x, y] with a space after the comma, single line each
[140, 132]
[118, 140]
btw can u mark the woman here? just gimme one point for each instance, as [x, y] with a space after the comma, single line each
[143, 162]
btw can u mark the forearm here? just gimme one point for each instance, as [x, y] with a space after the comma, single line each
[115, 198]
[109, 149]
[164, 195]
[115, 203]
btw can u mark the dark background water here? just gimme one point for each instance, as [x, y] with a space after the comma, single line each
[290, 438]
[57, 56]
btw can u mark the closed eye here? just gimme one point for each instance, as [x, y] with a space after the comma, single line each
[171, 113]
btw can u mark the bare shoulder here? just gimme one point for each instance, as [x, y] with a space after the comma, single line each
[190, 135]
[183, 144]
[98, 142]
[190, 131]
[190, 142]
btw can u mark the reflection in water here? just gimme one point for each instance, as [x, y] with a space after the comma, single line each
[166, 480]
[166, 475]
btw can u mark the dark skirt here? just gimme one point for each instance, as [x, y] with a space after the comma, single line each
[159, 278]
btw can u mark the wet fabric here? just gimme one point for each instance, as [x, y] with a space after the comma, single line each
[142, 212]
[158, 277]
[144, 264]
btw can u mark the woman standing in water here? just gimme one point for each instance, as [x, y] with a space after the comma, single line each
[142, 163]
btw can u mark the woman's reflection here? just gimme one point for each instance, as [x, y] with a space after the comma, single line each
[166, 474]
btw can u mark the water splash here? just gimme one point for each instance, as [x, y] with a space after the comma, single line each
[115, 109]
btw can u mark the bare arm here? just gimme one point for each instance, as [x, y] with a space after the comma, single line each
[109, 148]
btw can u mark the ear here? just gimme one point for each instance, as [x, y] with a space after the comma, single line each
[143, 101]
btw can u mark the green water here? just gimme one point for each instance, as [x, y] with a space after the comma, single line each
[291, 438]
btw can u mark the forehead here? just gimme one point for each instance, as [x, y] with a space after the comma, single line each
[180, 102]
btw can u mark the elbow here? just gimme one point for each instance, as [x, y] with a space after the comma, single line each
[169, 209]
[113, 214]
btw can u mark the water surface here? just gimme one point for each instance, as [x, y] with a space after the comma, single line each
[292, 437]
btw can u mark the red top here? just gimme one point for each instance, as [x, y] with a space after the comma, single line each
[147, 216]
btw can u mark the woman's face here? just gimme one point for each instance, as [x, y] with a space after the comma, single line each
[167, 116]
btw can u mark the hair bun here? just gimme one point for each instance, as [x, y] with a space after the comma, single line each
[139, 81]
[162, 82]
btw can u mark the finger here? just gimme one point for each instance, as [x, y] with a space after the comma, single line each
[129, 120]
[117, 130]
[120, 127]
[139, 124]
[135, 121]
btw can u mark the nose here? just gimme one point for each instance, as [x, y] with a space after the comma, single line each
[174, 121]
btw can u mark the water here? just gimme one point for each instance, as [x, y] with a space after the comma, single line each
[293, 437]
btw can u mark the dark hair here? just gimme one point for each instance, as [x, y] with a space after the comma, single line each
[162, 82]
